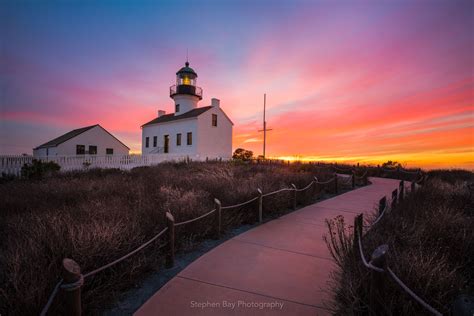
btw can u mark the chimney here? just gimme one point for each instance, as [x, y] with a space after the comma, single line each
[215, 102]
[161, 113]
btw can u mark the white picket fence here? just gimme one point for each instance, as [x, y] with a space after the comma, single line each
[11, 165]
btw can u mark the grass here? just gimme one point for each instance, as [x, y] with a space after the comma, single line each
[97, 216]
[431, 248]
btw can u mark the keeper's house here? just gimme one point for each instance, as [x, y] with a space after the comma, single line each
[90, 140]
[197, 132]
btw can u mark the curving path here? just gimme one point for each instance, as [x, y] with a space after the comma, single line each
[281, 267]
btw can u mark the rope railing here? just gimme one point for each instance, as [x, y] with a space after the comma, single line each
[362, 176]
[77, 284]
[125, 256]
[412, 294]
[195, 219]
[378, 261]
[325, 182]
[72, 286]
[278, 191]
[306, 187]
[380, 216]
[348, 179]
[362, 256]
[240, 204]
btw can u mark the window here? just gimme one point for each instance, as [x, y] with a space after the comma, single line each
[177, 108]
[92, 150]
[147, 142]
[155, 140]
[109, 151]
[190, 138]
[166, 149]
[214, 119]
[178, 139]
[80, 149]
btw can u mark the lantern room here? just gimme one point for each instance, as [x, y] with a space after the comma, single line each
[186, 76]
[186, 83]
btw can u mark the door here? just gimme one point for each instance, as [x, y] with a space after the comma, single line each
[167, 144]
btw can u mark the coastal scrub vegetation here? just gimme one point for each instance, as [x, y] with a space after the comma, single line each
[97, 216]
[431, 248]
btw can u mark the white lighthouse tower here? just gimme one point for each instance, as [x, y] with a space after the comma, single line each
[192, 132]
[185, 93]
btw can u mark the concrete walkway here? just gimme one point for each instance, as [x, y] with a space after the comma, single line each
[281, 267]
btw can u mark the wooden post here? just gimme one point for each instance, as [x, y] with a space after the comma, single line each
[171, 239]
[335, 183]
[71, 273]
[260, 206]
[394, 198]
[382, 204]
[401, 188]
[358, 220]
[353, 179]
[315, 186]
[378, 260]
[413, 187]
[294, 196]
[218, 218]
[366, 178]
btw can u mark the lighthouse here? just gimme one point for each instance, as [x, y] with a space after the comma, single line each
[194, 132]
[185, 93]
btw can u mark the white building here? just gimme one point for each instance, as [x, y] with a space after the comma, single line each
[197, 132]
[90, 140]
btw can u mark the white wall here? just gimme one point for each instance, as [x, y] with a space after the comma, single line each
[96, 136]
[45, 152]
[214, 142]
[186, 103]
[171, 128]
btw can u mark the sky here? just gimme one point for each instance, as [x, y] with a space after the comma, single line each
[346, 81]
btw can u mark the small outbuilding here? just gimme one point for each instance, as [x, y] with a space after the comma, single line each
[90, 140]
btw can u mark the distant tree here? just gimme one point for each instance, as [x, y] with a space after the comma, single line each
[242, 154]
[391, 164]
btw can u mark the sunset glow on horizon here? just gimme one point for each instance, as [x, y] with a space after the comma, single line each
[346, 81]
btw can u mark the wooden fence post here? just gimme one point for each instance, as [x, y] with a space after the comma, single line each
[171, 239]
[378, 260]
[315, 185]
[260, 206]
[401, 188]
[353, 179]
[382, 204]
[394, 198]
[413, 187]
[71, 273]
[358, 220]
[294, 196]
[335, 183]
[218, 218]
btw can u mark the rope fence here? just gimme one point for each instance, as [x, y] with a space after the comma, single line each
[195, 219]
[378, 264]
[240, 204]
[72, 279]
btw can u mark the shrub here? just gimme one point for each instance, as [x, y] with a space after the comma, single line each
[431, 248]
[97, 216]
[39, 169]
[242, 154]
